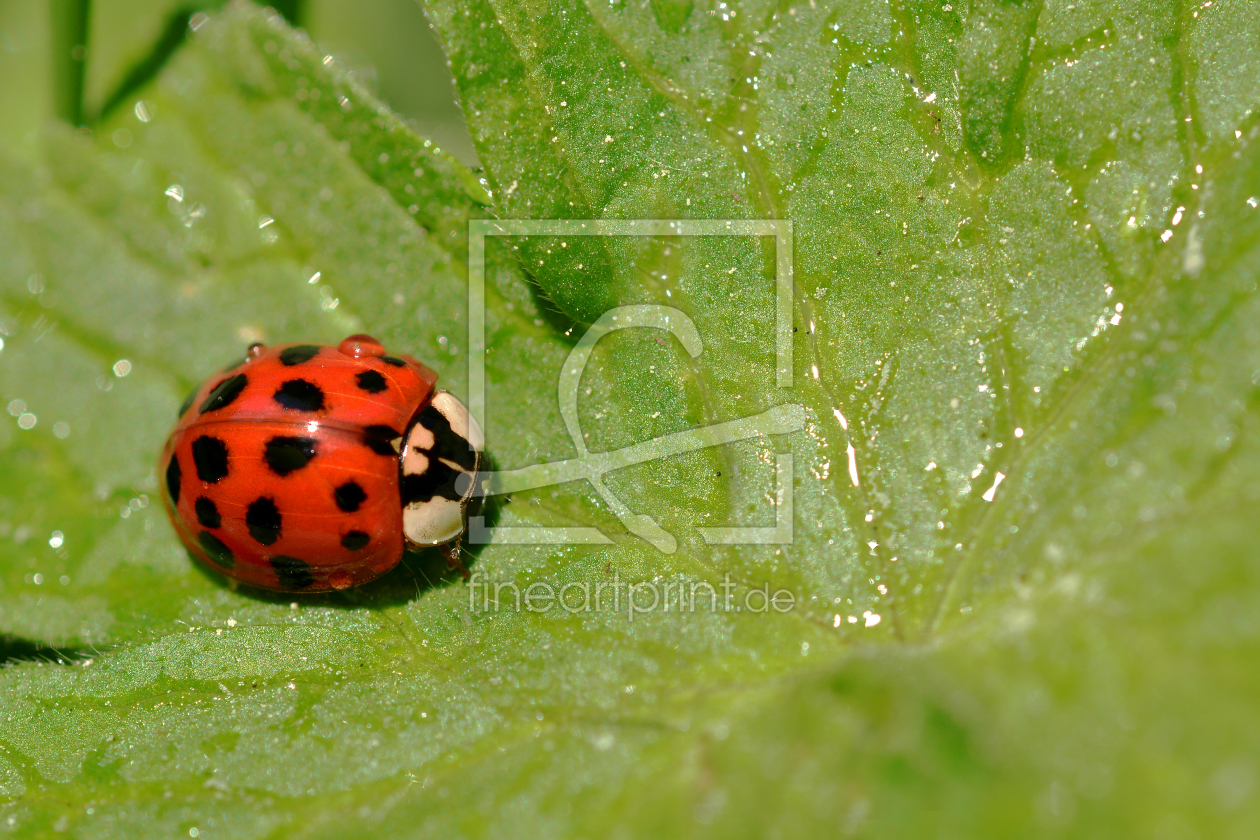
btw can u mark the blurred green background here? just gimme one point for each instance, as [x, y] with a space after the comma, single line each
[73, 59]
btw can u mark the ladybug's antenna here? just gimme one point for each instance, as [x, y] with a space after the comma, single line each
[451, 552]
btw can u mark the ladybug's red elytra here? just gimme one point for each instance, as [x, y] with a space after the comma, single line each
[308, 467]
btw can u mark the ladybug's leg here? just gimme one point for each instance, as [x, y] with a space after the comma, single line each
[451, 552]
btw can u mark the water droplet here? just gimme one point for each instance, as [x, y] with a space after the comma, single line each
[143, 111]
[27, 421]
[122, 367]
[56, 539]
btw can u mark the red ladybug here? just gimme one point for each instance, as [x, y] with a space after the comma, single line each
[308, 467]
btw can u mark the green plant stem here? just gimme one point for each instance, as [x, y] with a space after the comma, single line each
[69, 19]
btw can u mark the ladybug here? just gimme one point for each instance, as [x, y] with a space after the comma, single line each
[307, 467]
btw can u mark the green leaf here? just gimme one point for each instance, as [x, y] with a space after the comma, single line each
[1023, 593]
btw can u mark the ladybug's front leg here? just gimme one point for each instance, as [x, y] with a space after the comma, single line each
[451, 552]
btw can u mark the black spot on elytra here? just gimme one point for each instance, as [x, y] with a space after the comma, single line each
[437, 480]
[188, 401]
[447, 444]
[379, 446]
[210, 458]
[207, 513]
[218, 552]
[223, 393]
[371, 381]
[292, 572]
[379, 440]
[297, 354]
[355, 540]
[173, 476]
[300, 395]
[393, 360]
[286, 454]
[349, 496]
[263, 519]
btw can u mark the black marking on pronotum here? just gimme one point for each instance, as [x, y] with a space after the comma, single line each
[218, 552]
[379, 440]
[437, 480]
[447, 444]
[286, 454]
[349, 496]
[188, 401]
[224, 393]
[293, 573]
[297, 354]
[371, 381]
[262, 517]
[393, 360]
[207, 513]
[210, 458]
[173, 476]
[355, 540]
[300, 395]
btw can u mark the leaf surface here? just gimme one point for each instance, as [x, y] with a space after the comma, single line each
[1023, 599]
